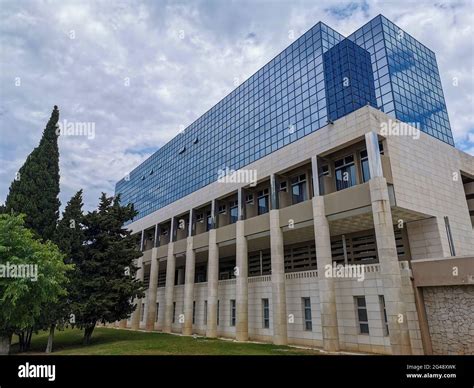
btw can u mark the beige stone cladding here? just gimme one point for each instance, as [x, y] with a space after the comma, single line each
[426, 179]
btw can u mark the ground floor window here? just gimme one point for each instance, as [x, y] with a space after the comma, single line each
[157, 310]
[218, 308]
[266, 313]
[308, 319]
[142, 312]
[174, 312]
[205, 312]
[384, 315]
[194, 312]
[232, 312]
[362, 317]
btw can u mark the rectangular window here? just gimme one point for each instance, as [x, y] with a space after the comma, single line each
[249, 199]
[384, 315]
[157, 311]
[307, 315]
[218, 309]
[266, 313]
[205, 312]
[298, 189]
[222, 209]
[174, 312]
[362, 317]
[194, 312]
[263, 202]
[232, 312]
[283, 186]
[345, 172]
[142, 312]
[234, 211]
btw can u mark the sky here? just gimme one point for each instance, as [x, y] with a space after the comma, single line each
[131, 74]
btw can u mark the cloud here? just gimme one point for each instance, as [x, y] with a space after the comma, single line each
[141, 70]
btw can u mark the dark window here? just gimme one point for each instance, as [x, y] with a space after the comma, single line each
[234, 212]
[157, 311]
[298, 188]
[362, 317]
[194, 312]
[263, 204]
[384, 314]
[205, 312]
[232, 312]
[308, 319]
[345, 172]
[174, 312]
[266, 313]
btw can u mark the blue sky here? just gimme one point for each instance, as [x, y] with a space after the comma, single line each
[142, 70]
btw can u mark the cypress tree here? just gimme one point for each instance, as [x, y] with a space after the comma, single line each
[34, 192]
[104, 281]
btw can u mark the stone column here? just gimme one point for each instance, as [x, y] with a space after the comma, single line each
[327, 290]
[280, 329]
[387, 251]
[169, 287]
[280, 335]
[152, 289]
[136, 315]
[189, 287]
[241, 290]
[212, 284]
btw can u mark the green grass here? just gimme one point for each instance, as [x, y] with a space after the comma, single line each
[109, 341]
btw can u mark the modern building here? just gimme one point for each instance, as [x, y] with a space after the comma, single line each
[320, 203]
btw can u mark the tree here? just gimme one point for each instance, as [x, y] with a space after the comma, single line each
[32, 274]
[69, 237]
[34, 191]
[104, 283]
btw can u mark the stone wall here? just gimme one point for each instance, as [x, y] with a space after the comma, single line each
[450, 314]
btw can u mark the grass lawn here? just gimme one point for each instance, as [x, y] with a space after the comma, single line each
[108, 341]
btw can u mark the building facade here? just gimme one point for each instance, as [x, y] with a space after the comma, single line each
[301, 207]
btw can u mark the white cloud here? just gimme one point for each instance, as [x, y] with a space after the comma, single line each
[174, 78]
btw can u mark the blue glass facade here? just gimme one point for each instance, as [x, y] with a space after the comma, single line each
[286, 100]
[348, 79]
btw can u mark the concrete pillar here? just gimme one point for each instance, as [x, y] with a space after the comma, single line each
[387, 251]
[189, 287]
[212, 284]
[169, 287]
[389, 266]
[327, 289]
[241, 290]
[280, 329]
[152, 289]
[136, 315]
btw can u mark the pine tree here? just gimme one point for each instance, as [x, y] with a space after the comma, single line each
[104, 282]
[34, 192]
